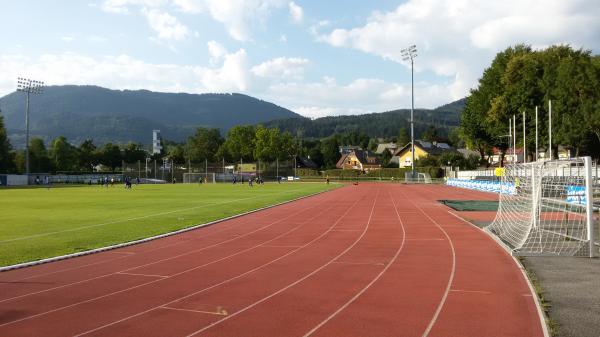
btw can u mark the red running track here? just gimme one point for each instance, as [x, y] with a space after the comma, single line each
[366, 260]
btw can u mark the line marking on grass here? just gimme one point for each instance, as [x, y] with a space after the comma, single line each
[158, 261]
[112, 222]
[135, 242]
[188, 270]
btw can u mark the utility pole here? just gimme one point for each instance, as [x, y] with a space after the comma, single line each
[536, 133]
[409, 54]
[550, 127]
[515, 139]
[524, 140]
[28, 86]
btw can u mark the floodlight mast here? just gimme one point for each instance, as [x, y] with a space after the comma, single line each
[34, 87]
[409, 54]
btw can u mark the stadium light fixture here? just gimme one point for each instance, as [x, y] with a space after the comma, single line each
[33, 87]
[409, 54]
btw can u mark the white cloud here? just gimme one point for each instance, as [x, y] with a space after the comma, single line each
[296, 12]
[362, 95]
[457, 39]
[167, 26]
[314, 29]
[189, 6]
[283, 38]
[67, 39]
[239, 16]
[216, 51]
[281, 67]
[126, 72]
[122, 6]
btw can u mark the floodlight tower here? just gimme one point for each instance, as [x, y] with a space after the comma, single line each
[28, 86]
[409, 54]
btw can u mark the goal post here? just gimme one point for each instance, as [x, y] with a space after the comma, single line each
[546, 208]
[197, 178]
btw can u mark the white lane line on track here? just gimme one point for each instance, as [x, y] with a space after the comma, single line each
[364, 289]
[470, 291]
[225, 281]
[158, 261]
[280, 246]
[162, 279]
[360, 263]
[148, 275]
[138, 218]
[220, 313]
[178, 242]
[297, 281]
[185, 230]
[450, 278]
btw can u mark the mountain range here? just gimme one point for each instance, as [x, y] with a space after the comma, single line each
[105, 115]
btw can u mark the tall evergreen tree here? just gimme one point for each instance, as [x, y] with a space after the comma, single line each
[6, 156]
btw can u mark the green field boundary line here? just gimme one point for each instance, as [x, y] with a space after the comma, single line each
[156, 237]
[139, 217]
[536, 299]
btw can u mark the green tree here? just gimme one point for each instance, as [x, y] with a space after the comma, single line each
[403, 137]
[330, 151]
[204, 145]
[386, 156]
[430, 134]
[133, 152]
[177, 153]
[240, 143]
[266, 143]
[39, 162]
[63, 155]
[110, 155]
[88, 157]
[6, 156]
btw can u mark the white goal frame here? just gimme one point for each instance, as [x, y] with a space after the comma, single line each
[194, 178]
[546, 208]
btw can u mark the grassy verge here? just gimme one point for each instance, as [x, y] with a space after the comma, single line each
[40, 223]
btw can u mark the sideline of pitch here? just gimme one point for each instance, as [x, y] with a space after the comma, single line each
[135, 242]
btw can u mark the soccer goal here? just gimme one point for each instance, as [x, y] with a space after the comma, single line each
[191, 178]
[423, 178]
[546, 208]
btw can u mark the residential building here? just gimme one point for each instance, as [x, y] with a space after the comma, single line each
[359, 160]
[403, 155]
[392, 147]
[348, 148]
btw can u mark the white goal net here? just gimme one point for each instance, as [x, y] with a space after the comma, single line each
[198, 178]
[546, 208]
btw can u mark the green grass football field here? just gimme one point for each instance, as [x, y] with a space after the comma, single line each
[38, 223]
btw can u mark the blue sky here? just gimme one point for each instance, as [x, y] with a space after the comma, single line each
[317, 58]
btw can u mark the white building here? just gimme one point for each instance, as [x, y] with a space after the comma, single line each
[156, 142]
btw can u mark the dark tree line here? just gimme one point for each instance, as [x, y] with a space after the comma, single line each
[519, 79]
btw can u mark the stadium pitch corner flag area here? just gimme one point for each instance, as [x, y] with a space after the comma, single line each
[371, 259]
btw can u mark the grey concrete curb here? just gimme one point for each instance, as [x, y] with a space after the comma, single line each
[135, 242]
[521, 268]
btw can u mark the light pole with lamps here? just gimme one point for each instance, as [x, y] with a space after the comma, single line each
[28, 86]
[409, 54]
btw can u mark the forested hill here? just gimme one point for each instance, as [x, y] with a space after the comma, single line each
[80, 112]
[385, 124]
